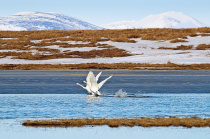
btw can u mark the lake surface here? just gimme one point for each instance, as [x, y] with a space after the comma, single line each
[63, 82]
[54, 95]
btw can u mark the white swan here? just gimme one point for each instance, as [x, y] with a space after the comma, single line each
[87, 87]
[97, 77]
[93, 85]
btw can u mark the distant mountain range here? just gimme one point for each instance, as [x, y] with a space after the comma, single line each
[54, 21]
[43, 21]
[164, 20]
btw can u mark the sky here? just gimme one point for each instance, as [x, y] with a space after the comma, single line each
[106, 11]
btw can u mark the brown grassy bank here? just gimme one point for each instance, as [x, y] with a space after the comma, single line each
[112, 52]
[144, 122]
[34, 45]
[131, 66]
[23, 37]
[181, 47]
[203, 47]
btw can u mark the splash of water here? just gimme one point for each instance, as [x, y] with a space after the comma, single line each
[121, 93]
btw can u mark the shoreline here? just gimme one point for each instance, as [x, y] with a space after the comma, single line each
[143, 122]
[103, 66]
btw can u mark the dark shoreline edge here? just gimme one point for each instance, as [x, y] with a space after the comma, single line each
[143, 122]
[99, 66]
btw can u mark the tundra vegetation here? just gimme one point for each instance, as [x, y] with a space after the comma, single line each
[36, 45]
[144, 122]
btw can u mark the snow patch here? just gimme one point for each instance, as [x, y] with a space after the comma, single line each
[72, 49]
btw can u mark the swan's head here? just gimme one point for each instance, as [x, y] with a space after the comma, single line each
[77, 83]
[84, 82]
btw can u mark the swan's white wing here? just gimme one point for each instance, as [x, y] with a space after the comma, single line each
[102, 82]
[94, 85]
[88, 89]
[88, 78]
[97, 77]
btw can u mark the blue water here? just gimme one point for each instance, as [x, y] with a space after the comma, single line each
[63, 82]
[54, 95]
[80, 106]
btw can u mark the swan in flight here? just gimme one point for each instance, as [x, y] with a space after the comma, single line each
[92, 86]
[87, 87]
[92, 83]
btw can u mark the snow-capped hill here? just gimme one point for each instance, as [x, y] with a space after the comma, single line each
[43, 21]
[164, 20]
[120, 25]
[170, 20]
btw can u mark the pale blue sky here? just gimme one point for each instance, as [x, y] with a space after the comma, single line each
[105, 11]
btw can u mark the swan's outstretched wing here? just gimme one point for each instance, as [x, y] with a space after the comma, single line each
[93, 84]
[97, 77]
[88, 89]
[102, 82]
[88, 78]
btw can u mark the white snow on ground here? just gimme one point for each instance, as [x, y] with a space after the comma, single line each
[21, 51]
[68, 49]
[35, 41]
[73, 42]
[145, 51]
[72, 49]
[7, 38]
[58, 41]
